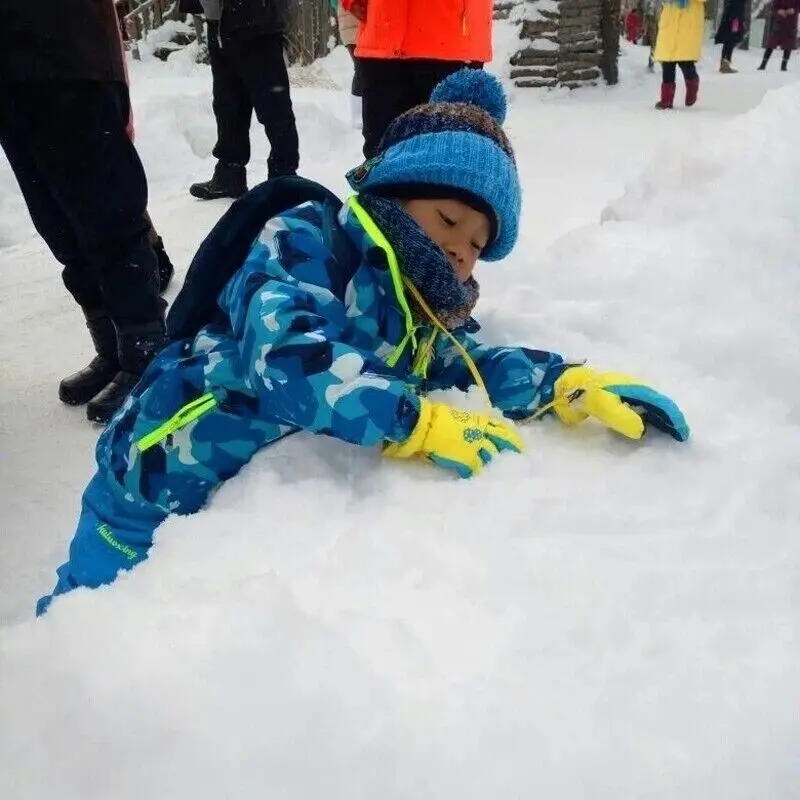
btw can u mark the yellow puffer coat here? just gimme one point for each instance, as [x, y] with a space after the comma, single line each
[681, 32]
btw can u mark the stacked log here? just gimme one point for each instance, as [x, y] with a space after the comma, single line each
[562, 44]
[535, 64]
[579, 39]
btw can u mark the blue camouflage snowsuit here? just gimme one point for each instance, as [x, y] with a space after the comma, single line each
[307, 343]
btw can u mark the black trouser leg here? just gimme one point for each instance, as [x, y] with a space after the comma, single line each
[355, 86]
[387, 91]
[727, 51]
[426, 73]
[232, 105]
[668, 71]
[688, 69]
[391, 87]
[785, 60]
[86, 191]
[260, 65]
[50, 221]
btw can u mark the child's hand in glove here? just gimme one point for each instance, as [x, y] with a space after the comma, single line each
[459, 440]
[625, 404]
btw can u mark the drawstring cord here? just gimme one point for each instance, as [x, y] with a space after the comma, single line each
[471, 366]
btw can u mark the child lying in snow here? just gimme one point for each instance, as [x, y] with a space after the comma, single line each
[348, 346]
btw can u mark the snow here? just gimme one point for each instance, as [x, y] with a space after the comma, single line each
[595, 619]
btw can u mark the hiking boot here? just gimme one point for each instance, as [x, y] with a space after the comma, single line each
[692, 88]
[137, 346]
[83, 385]
[667, 96]
[725, 67]
[229, 180]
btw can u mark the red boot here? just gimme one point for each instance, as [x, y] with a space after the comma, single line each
[667, 95]
[692, 87]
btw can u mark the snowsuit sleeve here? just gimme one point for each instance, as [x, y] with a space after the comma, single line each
[519, 380]
[290, 324]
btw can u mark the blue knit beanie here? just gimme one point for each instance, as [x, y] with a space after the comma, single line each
[455, 142]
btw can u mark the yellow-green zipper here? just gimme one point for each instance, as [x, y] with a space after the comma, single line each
[185, 415]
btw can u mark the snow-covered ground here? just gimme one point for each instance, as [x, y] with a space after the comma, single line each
[597, 619]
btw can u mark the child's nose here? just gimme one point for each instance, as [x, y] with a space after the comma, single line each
[456, 253]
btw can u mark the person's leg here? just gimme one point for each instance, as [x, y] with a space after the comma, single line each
[232, 112]
[47, 216]
[725, 60]
[233, 108]
[387, 91]
[427, 73]
[667, 85]
[94, 177]
[692, 80]
[56, 230]
[765, 59]
[785, 60]
[355, 90]
[113, 534]
[727, 51]
[260, 65]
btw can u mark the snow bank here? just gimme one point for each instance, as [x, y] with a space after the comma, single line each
[594, 619]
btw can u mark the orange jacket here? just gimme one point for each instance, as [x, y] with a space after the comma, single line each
[447, 30]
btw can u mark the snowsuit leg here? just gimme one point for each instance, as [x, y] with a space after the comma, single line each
[113, 534]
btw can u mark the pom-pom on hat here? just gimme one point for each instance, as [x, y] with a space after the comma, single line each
[453, 146]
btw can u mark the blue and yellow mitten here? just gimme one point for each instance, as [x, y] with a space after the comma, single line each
[459, 440]
[625, 404]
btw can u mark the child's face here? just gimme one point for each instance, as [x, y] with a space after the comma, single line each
[460, 230]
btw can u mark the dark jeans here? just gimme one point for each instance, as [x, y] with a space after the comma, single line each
[86, 191]
[727, 51]
[249, 73]
[355, 86]
[392, 86]
[687, 68]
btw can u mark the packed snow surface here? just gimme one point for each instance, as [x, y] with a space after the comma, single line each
[595, 619]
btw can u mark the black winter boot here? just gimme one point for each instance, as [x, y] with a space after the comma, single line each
[83, 385]
[230, 180]
[165, 268]
[137, 346]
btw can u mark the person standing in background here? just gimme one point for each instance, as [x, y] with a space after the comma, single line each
[64, 108]
[245, 47]
[730, 33]
[679, 43]
[633, 25]
[405, 49]
[782, 31]
[348, 30]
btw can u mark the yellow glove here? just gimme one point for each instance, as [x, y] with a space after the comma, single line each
[624, 404]
[459, 440]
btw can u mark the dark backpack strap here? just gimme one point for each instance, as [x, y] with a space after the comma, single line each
[225, 249]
